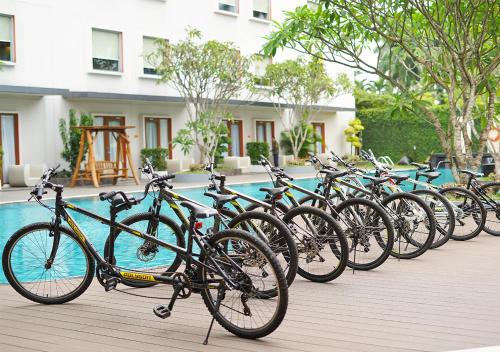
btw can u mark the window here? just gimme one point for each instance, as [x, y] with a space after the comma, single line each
[313, 4]
[319, 128]
[265, 131]
[229, 5]
[9, 141]
[7, 38]
[235, 128]
[106, 50]
[262, 9]
[159, 133]
[260, 64]
[105, 146]
[149, 47]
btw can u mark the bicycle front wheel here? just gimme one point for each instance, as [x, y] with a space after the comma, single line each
[491, 201]
[244, 310]
[26, 267]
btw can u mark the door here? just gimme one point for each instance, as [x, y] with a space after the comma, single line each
[9, 140]
[319, 128]
[235, 128]
[158, 133]
[105, 143]
[265, 132]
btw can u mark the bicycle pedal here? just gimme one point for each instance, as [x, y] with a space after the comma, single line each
[161, 311]
[110, 284]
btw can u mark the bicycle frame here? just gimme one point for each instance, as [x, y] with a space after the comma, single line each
[187, 254]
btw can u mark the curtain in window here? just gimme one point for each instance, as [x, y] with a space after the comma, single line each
[151, 141]
[148, 47]
[235, 139]
[261, 6]
[228, 2]
[164, 133]
[5, 28]
[8, 143]
[269, 133]
[105, 45]
[99, 140]
[260, 65]
[319, 132]
[112, 141]
[260, 132]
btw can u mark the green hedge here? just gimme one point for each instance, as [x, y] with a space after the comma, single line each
[256, 149]
[157, 156]
[396, 136]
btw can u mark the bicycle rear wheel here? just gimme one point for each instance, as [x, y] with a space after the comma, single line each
[278, 236]
[414, 224]
[369, 232]
[492, 205]
[470, 214]
[25, 264]
[244, 311]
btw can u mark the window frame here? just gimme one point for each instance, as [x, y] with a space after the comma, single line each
[259, 80]
[240, 128]
[144, 74]
[17, 146]
[323, 141]
[120, 51]
[269, 17]
[13, 43]
[264, 122]
[105, 119]
[157, 119]
[225, 12]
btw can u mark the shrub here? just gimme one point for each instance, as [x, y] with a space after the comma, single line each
[71, 137]
[196, 167]
[157, 156]
[296, 162]
[256, 149]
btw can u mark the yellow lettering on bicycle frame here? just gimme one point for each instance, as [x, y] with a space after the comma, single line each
[289, 194]
[76, 229]
[137, 276]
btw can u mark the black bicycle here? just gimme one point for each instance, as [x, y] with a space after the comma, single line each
[233, 270]
[269, 229]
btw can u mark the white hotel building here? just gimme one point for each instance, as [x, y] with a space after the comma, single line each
[89, 56]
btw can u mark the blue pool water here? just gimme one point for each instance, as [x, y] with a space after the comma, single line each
[14, 216]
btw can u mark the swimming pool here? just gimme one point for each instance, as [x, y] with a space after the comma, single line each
[14, 216]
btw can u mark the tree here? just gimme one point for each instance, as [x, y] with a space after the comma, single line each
[352, 132]
[70, 136]
[206, 74]
[450, 44]
[297, 88]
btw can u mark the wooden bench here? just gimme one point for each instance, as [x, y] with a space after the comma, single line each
[105, 169]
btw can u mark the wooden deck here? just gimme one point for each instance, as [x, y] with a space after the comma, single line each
[449, 299]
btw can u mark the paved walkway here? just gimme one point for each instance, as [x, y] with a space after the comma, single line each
[446, 300]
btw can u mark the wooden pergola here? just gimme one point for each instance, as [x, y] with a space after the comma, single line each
[96, 170]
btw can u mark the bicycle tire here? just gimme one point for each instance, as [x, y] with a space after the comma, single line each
[494, 227]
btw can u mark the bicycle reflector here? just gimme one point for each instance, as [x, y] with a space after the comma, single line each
[278, 196]
[198, 225]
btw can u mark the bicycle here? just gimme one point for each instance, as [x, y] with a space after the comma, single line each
[267, 228]
[307, 247]
[361, 220]
[412, 218]
[51, 263]
[470, 213]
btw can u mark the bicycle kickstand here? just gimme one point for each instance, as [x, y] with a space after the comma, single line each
[220, 297]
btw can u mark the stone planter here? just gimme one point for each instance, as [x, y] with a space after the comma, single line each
[256, 169]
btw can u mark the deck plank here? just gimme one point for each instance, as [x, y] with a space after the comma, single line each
[445, 300]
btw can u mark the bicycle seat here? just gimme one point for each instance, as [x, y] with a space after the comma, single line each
[399, 178]
[472, 173]
[376, 180]
[272, 191]
[334, 173]
[220, 199]
[199, 211]
[430, 175]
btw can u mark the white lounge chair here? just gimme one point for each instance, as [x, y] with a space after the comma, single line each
[237, 162]
[25, 175]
